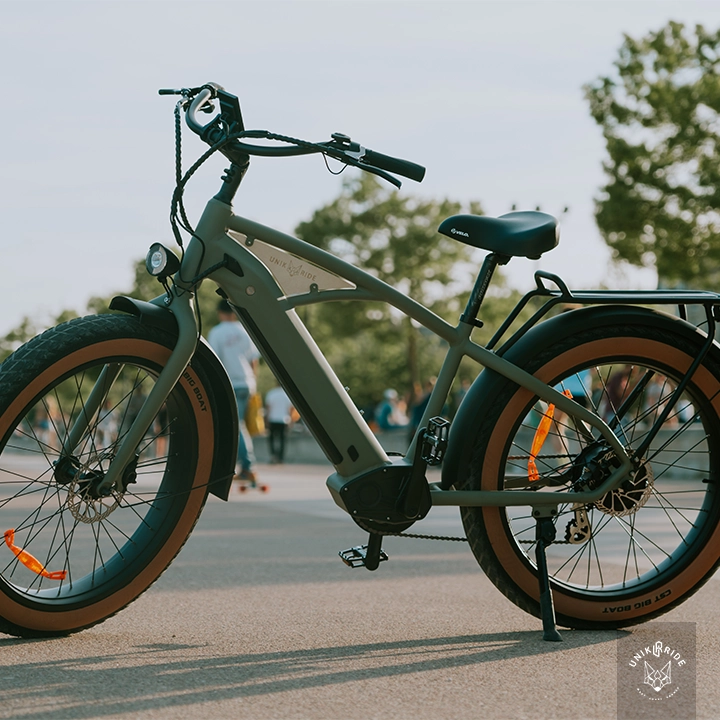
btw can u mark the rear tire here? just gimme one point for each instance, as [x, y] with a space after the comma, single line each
[646, 547]
[113, 548]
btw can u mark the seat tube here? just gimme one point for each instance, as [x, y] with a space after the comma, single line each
[481, 285]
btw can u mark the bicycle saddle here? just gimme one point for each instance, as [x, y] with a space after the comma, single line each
[518, 234]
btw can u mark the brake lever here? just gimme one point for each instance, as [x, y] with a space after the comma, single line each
[343, 148]
[380, 173]
[353, 156]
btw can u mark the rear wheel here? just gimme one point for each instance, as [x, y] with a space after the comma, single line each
[71, 557]
[641, 549]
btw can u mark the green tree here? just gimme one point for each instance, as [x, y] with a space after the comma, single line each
[659, 116]
[17, 337]
[393, 236]
[146, 287]
[370, 346]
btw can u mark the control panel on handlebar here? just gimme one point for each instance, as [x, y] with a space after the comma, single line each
[227, 128]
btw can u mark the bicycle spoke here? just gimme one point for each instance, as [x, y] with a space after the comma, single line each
[66, 525]
[630, 536]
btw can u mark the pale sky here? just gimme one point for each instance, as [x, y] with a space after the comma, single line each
[487, 95]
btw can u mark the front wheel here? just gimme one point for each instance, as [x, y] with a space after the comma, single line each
[71, 557]
[641, 549]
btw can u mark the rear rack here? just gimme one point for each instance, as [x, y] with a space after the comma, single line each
[681, 298]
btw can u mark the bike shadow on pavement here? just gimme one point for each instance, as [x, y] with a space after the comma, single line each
[163, 676]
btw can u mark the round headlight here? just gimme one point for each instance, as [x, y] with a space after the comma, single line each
[161, 262]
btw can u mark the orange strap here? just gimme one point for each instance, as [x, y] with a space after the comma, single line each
[29, 561]
[541, 434]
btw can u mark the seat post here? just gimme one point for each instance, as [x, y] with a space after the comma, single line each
[482, 283]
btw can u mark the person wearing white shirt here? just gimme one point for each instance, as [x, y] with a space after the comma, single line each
[239, 356]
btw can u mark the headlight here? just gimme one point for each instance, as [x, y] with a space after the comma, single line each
[161, 262]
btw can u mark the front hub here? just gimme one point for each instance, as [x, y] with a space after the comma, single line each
[87, 500]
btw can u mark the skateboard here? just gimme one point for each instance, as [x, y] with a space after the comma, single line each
[245, 485]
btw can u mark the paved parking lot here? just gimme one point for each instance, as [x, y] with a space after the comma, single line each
[258, 618]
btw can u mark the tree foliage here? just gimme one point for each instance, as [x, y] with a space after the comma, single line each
[144, 287]
[393, 236]
[369, 345]
[659, 114]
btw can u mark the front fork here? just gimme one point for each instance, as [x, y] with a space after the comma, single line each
[179, 358]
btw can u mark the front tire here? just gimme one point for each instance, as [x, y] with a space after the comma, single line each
[109, 549]
[641, 550]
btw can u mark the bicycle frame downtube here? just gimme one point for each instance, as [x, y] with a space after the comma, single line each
[461, 345]
[270, 318]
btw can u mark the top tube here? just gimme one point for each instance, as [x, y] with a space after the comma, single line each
[379, 289]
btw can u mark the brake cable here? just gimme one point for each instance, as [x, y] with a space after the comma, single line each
[178, 214]
[177, 205]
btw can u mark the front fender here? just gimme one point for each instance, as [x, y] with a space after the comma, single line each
[222, 401]
[483, 392]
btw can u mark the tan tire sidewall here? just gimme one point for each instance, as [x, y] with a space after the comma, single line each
[53, 620]
[503, 546]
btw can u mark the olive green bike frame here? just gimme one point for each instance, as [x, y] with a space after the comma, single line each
[268, 314]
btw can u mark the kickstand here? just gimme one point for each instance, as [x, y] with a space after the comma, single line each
[545, 534]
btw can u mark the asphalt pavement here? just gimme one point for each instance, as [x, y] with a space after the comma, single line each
[258, 618]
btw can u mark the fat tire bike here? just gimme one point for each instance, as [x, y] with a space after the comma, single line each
[585, 457]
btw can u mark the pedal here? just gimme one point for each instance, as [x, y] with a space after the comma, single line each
[435, 440]
[356, 556]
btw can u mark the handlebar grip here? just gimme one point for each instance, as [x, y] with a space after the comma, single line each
[394, 165]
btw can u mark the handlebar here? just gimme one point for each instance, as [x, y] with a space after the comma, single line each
[394, 165]
[224, 126]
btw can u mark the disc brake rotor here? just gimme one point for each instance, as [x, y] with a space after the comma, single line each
[88, 509]
[630, 496]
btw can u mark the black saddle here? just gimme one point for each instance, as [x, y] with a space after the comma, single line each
[519, 234]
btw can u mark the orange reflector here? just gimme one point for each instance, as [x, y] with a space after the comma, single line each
[29, 561]
[541, 434]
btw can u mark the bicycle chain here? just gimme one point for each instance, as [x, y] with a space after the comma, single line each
[409, 535]
[428, 537]
[415, 536]
[445, 537]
